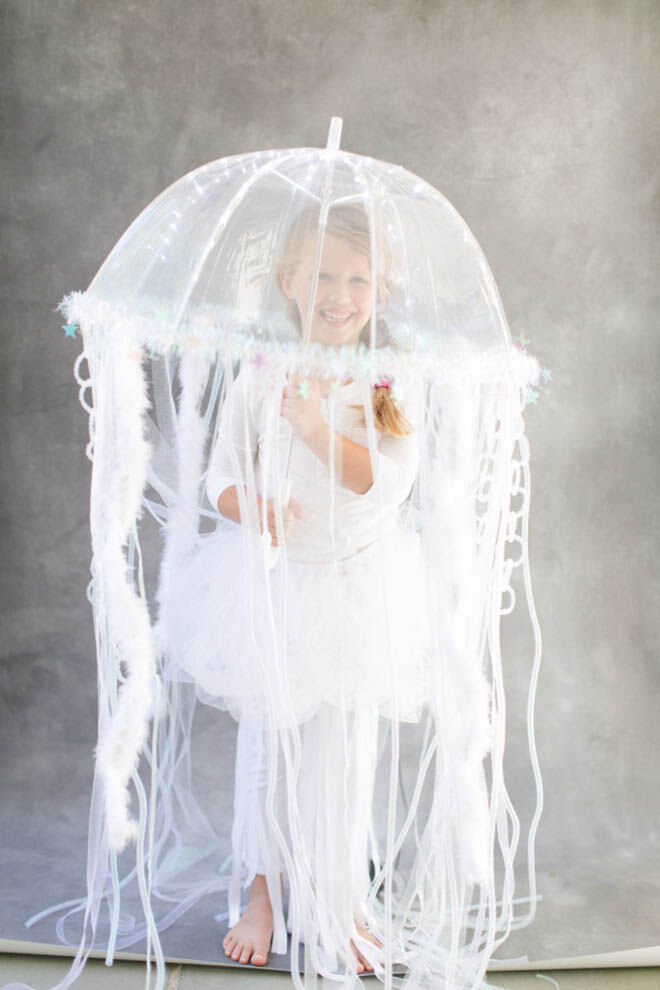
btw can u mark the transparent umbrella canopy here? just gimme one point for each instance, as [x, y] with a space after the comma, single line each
[199, 262]
[357, 643]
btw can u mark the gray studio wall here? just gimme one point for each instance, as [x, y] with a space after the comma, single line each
[539, 122]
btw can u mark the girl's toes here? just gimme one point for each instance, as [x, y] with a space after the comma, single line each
[260, 956]
[363, 962]
[246, 953]
[236, 951]
[228, 944]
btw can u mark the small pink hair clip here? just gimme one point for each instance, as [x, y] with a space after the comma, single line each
[383, 383]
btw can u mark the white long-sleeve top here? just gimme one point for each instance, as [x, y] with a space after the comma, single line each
[251, 433]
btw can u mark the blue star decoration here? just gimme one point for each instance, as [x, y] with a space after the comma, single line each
[304, 388]
[532, 394]
[69, 329]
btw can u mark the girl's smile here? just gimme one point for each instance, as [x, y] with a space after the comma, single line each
[342, 306]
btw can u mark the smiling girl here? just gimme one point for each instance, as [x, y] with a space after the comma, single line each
[347, 596]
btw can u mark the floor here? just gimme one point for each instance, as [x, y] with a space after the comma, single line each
[42, 972]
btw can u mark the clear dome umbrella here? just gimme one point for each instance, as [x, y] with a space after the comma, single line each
[299, 366]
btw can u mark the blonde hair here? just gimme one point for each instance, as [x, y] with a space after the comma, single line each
[350, 223]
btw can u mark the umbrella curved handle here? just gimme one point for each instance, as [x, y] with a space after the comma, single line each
[271, 554]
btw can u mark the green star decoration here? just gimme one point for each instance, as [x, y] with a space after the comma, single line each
[531, 395]
[521, 340]
[70, 329]
[304, 389]
[395, 391]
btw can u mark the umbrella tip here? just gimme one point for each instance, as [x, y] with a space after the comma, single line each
[334, 134]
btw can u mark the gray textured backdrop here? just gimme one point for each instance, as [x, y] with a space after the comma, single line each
[539, 122]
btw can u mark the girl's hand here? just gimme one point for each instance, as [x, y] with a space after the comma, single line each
[301, 405]
[289, 512]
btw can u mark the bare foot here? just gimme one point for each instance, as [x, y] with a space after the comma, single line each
[249, 939]
[363, 962]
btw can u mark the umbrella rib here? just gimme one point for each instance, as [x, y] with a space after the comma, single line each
[296, 185]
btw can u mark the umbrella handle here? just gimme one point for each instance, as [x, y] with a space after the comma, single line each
[271, 554]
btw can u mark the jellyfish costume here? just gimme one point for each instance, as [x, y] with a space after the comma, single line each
[358, 656]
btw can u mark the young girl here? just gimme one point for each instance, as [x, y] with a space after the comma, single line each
[344, 601]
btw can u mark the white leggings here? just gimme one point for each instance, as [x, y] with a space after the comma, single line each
[333, 823]
[252, 838]
[333, 803]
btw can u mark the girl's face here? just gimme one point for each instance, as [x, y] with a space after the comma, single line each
[342, 305]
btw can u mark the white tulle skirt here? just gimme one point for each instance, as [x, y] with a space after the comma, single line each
[350, 633]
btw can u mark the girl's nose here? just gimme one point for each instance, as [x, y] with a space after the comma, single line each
[339, 292]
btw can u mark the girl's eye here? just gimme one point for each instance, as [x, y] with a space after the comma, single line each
[358, 278]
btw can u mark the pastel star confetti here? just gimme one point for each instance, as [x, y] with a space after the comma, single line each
[521, 341]
[531, 395]
[304, 388]
[70, 329]
[547, 374]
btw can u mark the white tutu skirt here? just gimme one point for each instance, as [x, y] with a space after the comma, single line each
[281, 642]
